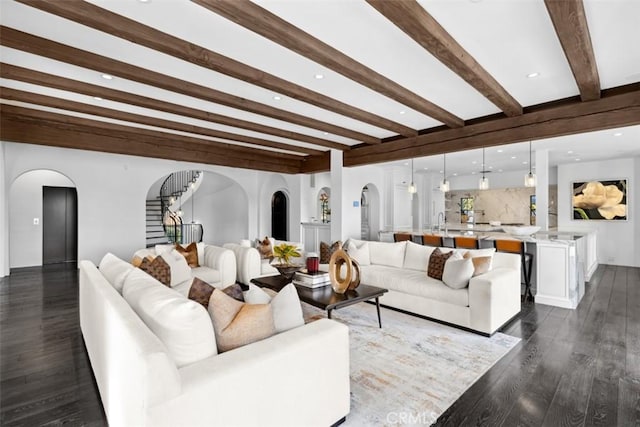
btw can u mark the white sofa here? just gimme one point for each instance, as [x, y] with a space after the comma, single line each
[250, 264]
[217, 265]
[298, 377]
[490, 300]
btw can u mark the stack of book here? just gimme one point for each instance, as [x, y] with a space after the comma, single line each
[311, 280]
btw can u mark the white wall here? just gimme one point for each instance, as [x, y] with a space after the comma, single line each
[512, 179]
[4, 216]
[25, 205]
[616, 239]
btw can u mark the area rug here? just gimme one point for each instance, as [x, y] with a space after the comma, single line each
[410, 371]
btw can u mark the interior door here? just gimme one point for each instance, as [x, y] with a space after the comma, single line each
[279, 216]
[59, 225]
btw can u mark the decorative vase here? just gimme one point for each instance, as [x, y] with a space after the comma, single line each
[287, 270]
[340, 260]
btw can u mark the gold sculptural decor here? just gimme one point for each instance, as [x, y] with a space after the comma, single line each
[341, 261]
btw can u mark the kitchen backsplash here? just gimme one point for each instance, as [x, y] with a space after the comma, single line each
[507, 205]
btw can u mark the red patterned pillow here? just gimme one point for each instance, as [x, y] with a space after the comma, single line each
[436, 263]
[157, 268]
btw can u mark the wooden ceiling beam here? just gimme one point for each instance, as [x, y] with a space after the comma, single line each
[570, 22]
[617, 107]
[418, 24]
[39, 46]
[276, 29]
[31, 126]
[49, 80]
[64, 104]
[101, 19]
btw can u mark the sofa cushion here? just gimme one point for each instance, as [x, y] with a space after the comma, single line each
[160, 249]
[327, 250]
[389, 254]
[413, 282]
[190, 253]
[180, 270]
[115, 270]
[416, 257]
[359, 252]
[287, 310]
[236, 323]
[457, 271]
[183, 326]
[436, 263]
[200, 292]
[207, 274]
[481, 264]
[157, 268]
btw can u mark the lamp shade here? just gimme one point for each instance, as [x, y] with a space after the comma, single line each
[444, 186]
[412, 188]
[530, 180]
[483, 183]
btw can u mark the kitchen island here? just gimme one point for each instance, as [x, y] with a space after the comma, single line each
[563, 259]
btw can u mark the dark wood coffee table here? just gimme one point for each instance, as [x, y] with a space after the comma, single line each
[325, 298]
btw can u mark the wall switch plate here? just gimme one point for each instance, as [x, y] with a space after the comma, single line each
[36, 221]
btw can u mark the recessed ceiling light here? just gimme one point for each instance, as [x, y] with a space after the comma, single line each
[325, 133]
[107, 76]
[455, 174]
[319, 76]
[500, 150]
[499, 170]
[577, 160]
[513, 157]
[473, 173]
[490, 167]
[277, 98]
[617, 134]
[97, 98]
[406, 163]
[402, 112]
[144, 1]
[473, 162]
[426, 168]
[440, 171]
[570, 152]
[533, 75]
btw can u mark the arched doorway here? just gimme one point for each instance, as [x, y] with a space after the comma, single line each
[43, 219]
[279, 216]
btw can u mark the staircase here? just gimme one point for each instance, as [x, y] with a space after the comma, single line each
[164, 225]
[155, 230]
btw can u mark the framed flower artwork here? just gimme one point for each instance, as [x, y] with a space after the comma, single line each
[600, 200]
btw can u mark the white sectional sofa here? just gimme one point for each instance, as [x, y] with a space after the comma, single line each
[250, 264]
[490, 300]
[217, 265]
[297, 377]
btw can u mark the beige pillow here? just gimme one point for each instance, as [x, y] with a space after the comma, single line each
[236, 323]
[481, 264]
[360, 253]
[457, 271]
[287, 310]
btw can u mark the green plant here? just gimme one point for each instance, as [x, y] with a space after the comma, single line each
[284, 252]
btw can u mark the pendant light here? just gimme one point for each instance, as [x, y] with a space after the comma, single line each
[483, 184]
[412, 187]
[444, 185]
[179, 212]
[530, 178]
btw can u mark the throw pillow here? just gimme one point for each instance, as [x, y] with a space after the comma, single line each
[287, 310]
[200, 291]
[190, 253]
[265, 248]
[481, 264]
[157, 268]
[327, 250]
[180, 270]
[457, 271]
[436, 263]
[360, 254]
[236, 323]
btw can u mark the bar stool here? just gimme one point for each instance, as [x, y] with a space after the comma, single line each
[517, 247]
[432, 240]
[401, 237]
[466, 242]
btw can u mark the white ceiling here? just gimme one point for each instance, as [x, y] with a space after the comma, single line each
[510, 39]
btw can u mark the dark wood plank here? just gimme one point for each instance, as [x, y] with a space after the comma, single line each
[570, 22]
[603, 404]
[629, 402]
[276, 29]
[418, 24]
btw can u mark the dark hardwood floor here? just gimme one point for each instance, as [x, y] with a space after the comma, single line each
[572, 367]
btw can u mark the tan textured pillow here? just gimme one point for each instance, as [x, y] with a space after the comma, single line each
[190, 253]
[236, 323]
[200, 291]
[265, 248]
[481, 264]
[136, 261]
[436, 263]
[157, 268]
